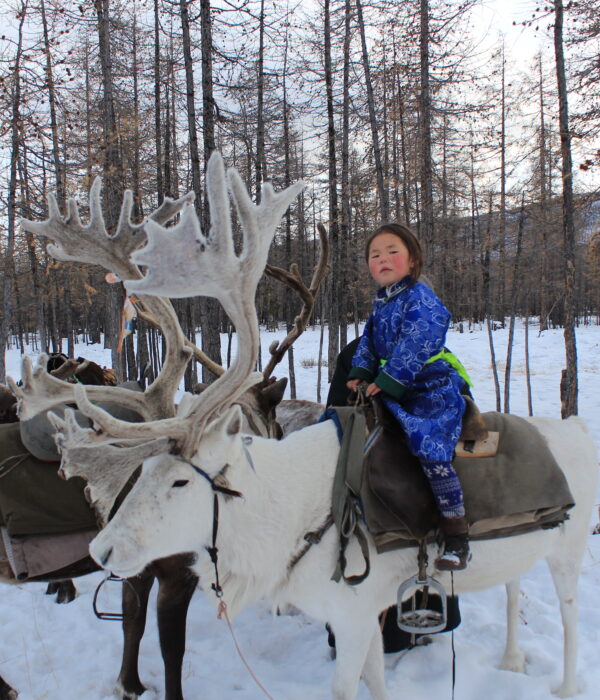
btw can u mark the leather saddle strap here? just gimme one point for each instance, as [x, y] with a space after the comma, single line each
[346, 490]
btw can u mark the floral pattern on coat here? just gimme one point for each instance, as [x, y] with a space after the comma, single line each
[407, 326]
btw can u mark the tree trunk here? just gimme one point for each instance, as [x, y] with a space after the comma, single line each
[543, 164]
[36, 276]
[346, 257]
[384, 203]
[427, 218]
[502, 290]
[113, 182]
[569, 389]
[486, 289]
[260, 124]
[334, 303]
[58, 174]
[528, 369]
[517, 282]
[191, 106]
[11, 215]
[157, 105]
[211, 338]
[289, 310]
[403, 155]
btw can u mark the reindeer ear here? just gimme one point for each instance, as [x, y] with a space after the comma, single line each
[274, 391]
[233, 424]
[227, 424]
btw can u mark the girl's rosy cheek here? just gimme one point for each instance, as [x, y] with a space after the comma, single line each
[401, 262]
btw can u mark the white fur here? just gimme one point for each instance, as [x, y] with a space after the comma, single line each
[289, 495]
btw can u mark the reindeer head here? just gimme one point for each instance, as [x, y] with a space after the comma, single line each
[172, 495]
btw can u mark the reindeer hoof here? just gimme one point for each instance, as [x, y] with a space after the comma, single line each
[6, 692]
[135, 694]
[567, 690]
[66, 592]
[514, 662]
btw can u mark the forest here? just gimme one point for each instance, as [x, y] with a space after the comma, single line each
[387, 110]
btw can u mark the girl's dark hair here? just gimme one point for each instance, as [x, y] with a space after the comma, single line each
[410, 241]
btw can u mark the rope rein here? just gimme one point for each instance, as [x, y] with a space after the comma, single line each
[213, 552]
[222, 613]
[452, 642]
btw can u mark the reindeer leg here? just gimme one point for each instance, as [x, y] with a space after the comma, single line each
[373, 671]
[565, 572]
[6, 692]
[358, 652]
[177, 585]
[513, 659]
[135, 606]
[66, 592]
[52, 588]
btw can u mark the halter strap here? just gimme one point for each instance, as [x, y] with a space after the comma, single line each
[213, 551]
[211, 480]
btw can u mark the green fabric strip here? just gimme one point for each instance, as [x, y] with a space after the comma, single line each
[454, 362]
[448, 357]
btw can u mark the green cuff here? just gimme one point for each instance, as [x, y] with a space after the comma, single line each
[360, 373]
[388, 384]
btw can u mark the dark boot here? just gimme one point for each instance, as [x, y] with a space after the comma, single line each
[456, 545]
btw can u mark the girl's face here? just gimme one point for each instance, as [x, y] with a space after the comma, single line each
[389, 259]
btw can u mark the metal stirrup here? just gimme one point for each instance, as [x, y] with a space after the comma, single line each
[422, 620]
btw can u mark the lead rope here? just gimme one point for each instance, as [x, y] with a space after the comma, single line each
[222, 613]
[222, 608]
[452, 642]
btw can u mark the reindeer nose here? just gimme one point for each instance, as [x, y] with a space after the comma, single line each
[106, 556]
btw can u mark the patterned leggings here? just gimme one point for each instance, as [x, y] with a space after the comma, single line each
[446, 488]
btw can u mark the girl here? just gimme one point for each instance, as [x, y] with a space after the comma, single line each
[401, 354]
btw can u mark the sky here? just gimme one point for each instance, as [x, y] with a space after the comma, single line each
[506, 17]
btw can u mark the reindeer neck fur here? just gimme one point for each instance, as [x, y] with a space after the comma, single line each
[287, 496]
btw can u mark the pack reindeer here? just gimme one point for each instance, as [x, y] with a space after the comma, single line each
[270, 494]
[91, 243]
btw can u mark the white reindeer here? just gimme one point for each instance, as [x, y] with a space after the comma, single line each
[286, 487]
[289, 494]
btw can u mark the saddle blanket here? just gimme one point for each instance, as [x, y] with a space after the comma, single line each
[519, 489]
[34, 500]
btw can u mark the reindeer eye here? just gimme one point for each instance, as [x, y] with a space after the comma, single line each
[179, 483]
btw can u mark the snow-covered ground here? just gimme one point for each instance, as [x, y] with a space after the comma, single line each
[56, 652]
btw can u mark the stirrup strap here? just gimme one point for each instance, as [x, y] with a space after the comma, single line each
[346, 491]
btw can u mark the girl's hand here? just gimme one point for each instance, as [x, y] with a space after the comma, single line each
[352, 384]
[373, 389]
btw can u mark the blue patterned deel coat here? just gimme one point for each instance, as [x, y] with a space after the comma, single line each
[407, 327]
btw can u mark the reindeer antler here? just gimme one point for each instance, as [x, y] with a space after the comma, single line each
[91, 244]
[106, 467]
[69, 368]
[183, 262]
[42, 391]
[180, 262]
